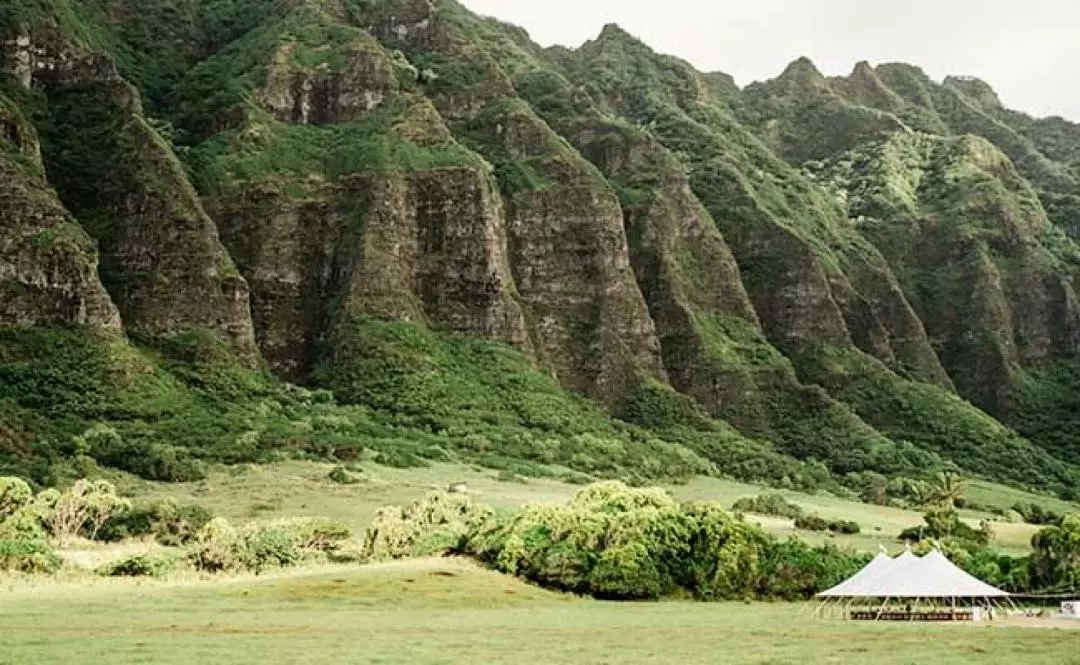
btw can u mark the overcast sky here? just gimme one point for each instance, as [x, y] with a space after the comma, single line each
[1028, 50]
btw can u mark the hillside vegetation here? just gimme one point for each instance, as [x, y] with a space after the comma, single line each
[240, 230]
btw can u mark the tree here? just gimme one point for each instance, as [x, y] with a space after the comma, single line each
[1055, 561]
[949, 489]
[920, 494]
[86, 503]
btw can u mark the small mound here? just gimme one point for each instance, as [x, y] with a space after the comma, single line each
[422, 583]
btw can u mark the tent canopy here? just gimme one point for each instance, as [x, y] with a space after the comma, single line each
[910, 576]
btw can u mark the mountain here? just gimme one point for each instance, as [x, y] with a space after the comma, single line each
[234, 229]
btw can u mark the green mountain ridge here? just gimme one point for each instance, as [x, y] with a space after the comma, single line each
[465, 246]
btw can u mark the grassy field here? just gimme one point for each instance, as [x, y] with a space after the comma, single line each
[292, 489]
[445, 611]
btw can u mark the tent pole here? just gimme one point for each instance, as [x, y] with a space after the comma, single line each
[882, 609]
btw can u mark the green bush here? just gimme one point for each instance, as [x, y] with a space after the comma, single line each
[28, 556]
[436, 524]
[845, 527]
[217, 548]
[769, 504]
[270, 547]
[26, 524]
[792, 569]
[1033, 513]
[1055, 562]
[170, 523]
[15, 494]
[140, 565]
[320, 535]
[613, 541]
[341, 476]
[945, 523]
[812, 523]
[220, 547]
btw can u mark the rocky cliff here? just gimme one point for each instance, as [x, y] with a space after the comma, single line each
[461, 234]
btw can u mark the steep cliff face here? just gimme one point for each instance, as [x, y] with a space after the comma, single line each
[986, 269]
[568, 251]
[161, 259]
[48, 266]
[455, 230]
[973, 227]
[343, 194]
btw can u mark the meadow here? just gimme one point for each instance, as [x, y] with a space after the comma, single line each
[432, 612]
[297, 488]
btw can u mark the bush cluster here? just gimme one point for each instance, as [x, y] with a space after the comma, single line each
[140, 565]
[616, 542]
[221, 547]
[30, 523]
[769, 504]
[170, 523]
[818, 523]
[944, 523]
[439, 523]
[1033, 513]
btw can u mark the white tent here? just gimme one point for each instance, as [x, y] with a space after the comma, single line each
[853, 585]
[932, 580]
[910, 576]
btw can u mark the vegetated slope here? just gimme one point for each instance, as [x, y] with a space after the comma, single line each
[979, 230]
[455, 230]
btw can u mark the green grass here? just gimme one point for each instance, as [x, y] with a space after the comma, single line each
[437, 612]
[291, 489]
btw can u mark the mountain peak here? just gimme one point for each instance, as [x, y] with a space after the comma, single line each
[615, 31]
[975, 89]
[862, 69]
[801, 75]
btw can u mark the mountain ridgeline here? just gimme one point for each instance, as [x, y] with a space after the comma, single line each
[235, 229]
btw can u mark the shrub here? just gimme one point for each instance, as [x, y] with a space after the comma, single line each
[945, 523]
[23, 525]
[613, 541]
[341, 476]
[1033, 513]
[769, 504]
[86, 505]
[219, 547]
[506, 476]
[321, 535]
[270, 547]
[15, 494]
[28, 556]
[845, 527]
[400, 459]
[288, 542]
[792, 569]
[1055, 563]
[140, 565]
[811, 523]
[216, 548]
[616, 542]
[436, 524]
[170, 523]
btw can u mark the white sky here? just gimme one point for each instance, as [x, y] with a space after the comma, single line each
[1028, 50]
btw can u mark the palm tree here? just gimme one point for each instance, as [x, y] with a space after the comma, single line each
[949, 488]
[921, 494]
